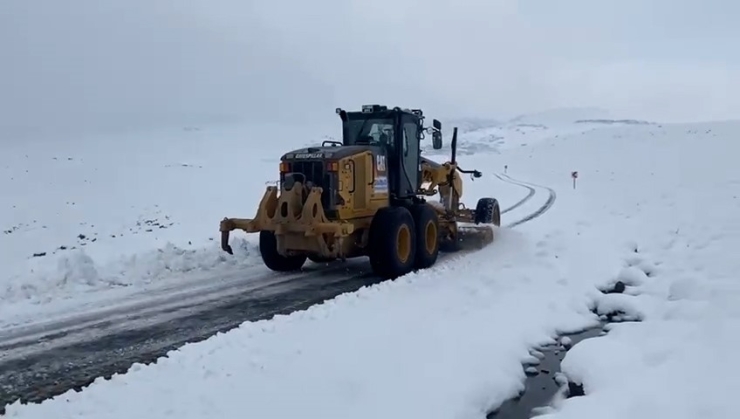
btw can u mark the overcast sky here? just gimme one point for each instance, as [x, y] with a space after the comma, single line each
[86, 63]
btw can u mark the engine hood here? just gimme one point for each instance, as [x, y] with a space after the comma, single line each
[327, 153]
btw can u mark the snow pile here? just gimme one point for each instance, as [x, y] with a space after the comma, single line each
[76, 272]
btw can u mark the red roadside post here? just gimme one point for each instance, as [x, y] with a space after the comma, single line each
[574, 175]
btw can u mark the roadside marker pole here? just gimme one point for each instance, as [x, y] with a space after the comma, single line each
[574, 175]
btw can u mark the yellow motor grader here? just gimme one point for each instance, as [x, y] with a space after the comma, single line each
[368, 195]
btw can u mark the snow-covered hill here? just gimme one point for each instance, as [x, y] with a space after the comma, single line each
[655, 207]
[496, 135]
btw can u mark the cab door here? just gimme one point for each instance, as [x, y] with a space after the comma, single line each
[410, 153]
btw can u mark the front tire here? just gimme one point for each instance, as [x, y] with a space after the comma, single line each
[488, 212]
[392, 242]
[274, 260]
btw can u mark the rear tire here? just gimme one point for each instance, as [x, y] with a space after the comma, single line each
[273, 259]
[427, 235]
[488, 212]
[392, 242]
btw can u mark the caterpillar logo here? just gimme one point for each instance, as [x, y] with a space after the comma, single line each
[309, 155]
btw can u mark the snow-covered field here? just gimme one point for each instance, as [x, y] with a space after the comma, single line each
[656, 207]
[88, 221]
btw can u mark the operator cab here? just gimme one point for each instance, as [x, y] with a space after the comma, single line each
[397, 133]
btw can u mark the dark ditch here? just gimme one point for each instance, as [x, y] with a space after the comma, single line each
[544, 379]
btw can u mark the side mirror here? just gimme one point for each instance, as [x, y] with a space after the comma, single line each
[437, 140]
[342, 114]
[437, 125]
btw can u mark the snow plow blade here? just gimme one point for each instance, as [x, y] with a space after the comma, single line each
[474, 237]
[470, 238]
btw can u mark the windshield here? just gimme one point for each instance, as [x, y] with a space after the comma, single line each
[373, 131]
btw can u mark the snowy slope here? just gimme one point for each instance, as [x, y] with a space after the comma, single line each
[491, 136]
[655, 207]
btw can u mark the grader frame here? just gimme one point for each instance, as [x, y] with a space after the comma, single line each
[294, 222]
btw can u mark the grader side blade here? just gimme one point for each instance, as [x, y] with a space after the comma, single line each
[474, 237]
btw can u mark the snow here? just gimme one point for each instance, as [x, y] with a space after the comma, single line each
[566, 341]
[655, 207]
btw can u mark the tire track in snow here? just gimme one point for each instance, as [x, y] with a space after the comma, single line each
[552, 196]
[521, 201]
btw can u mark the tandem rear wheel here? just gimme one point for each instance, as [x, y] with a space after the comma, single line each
[402, 240]
[427, 235]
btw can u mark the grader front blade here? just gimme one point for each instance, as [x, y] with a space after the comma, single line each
[474, 237]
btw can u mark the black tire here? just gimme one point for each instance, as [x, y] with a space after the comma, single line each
[392, 242]
[488, 212]
[427, 235]
[273, 259]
